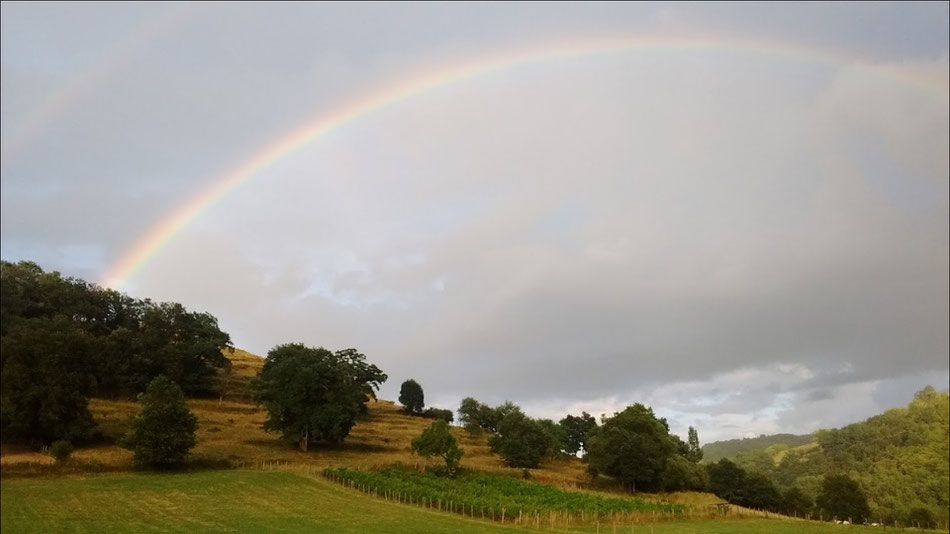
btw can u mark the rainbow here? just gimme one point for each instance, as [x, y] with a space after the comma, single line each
[149, 244]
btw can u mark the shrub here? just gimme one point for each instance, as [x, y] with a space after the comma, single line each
[61, 450]
[438, 413]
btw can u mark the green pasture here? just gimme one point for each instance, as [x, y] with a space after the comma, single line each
[272, 501]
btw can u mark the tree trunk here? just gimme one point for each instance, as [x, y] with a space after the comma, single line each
[305, 440]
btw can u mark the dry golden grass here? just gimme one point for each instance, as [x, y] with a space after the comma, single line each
[229, 431]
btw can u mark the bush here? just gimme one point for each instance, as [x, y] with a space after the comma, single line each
[61, 450]
[438, 413]
[164, 430]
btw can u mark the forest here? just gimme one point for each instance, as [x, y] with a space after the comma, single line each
[898, 459]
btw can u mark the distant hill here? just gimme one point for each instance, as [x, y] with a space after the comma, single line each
[712, 452]
[899, 458]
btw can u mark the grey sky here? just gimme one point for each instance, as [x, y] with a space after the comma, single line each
[746, 240]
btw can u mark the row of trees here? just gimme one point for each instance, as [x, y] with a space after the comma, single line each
[65, 340]
[839, 496]
[634, 446]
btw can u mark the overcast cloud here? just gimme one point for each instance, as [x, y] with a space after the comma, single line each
[750, 242]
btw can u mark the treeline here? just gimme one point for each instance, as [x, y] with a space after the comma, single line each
[731, 447]
[65, 340]
[635, 447]
[898, 460]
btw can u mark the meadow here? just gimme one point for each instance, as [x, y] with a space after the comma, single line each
[280, 501]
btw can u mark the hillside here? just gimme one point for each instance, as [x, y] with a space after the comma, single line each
[729, 448]
[230, 434]
[899, 459]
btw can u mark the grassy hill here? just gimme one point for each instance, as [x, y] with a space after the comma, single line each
[778, 443]
[269, 486]
[230, 434]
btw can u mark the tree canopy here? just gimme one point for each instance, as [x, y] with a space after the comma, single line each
[841, 497]
[411, 397]
[163, 431]
[312, 394]
[520, 440]
[633, 446]
[577, 428]
[436, 440]
[64, 340]
[46, 381]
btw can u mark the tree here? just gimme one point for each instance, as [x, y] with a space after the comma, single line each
[682, 475]
[468, 415]
[163, 431]
[45, 381]
[368, 375]
[438, 441]
[312, 394]
[695, 452]
[727, 480]
[476, 416]
[633, 446]
[760, 493]
[577, 428]
[520, 440]
[556, 435]
[796, 503]
[841, 497]
[135, 340]
[411, 397]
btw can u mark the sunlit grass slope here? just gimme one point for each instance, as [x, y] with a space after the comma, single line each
[271, 501]
[230, 433]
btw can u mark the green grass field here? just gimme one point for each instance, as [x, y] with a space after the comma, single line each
[271, 501]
